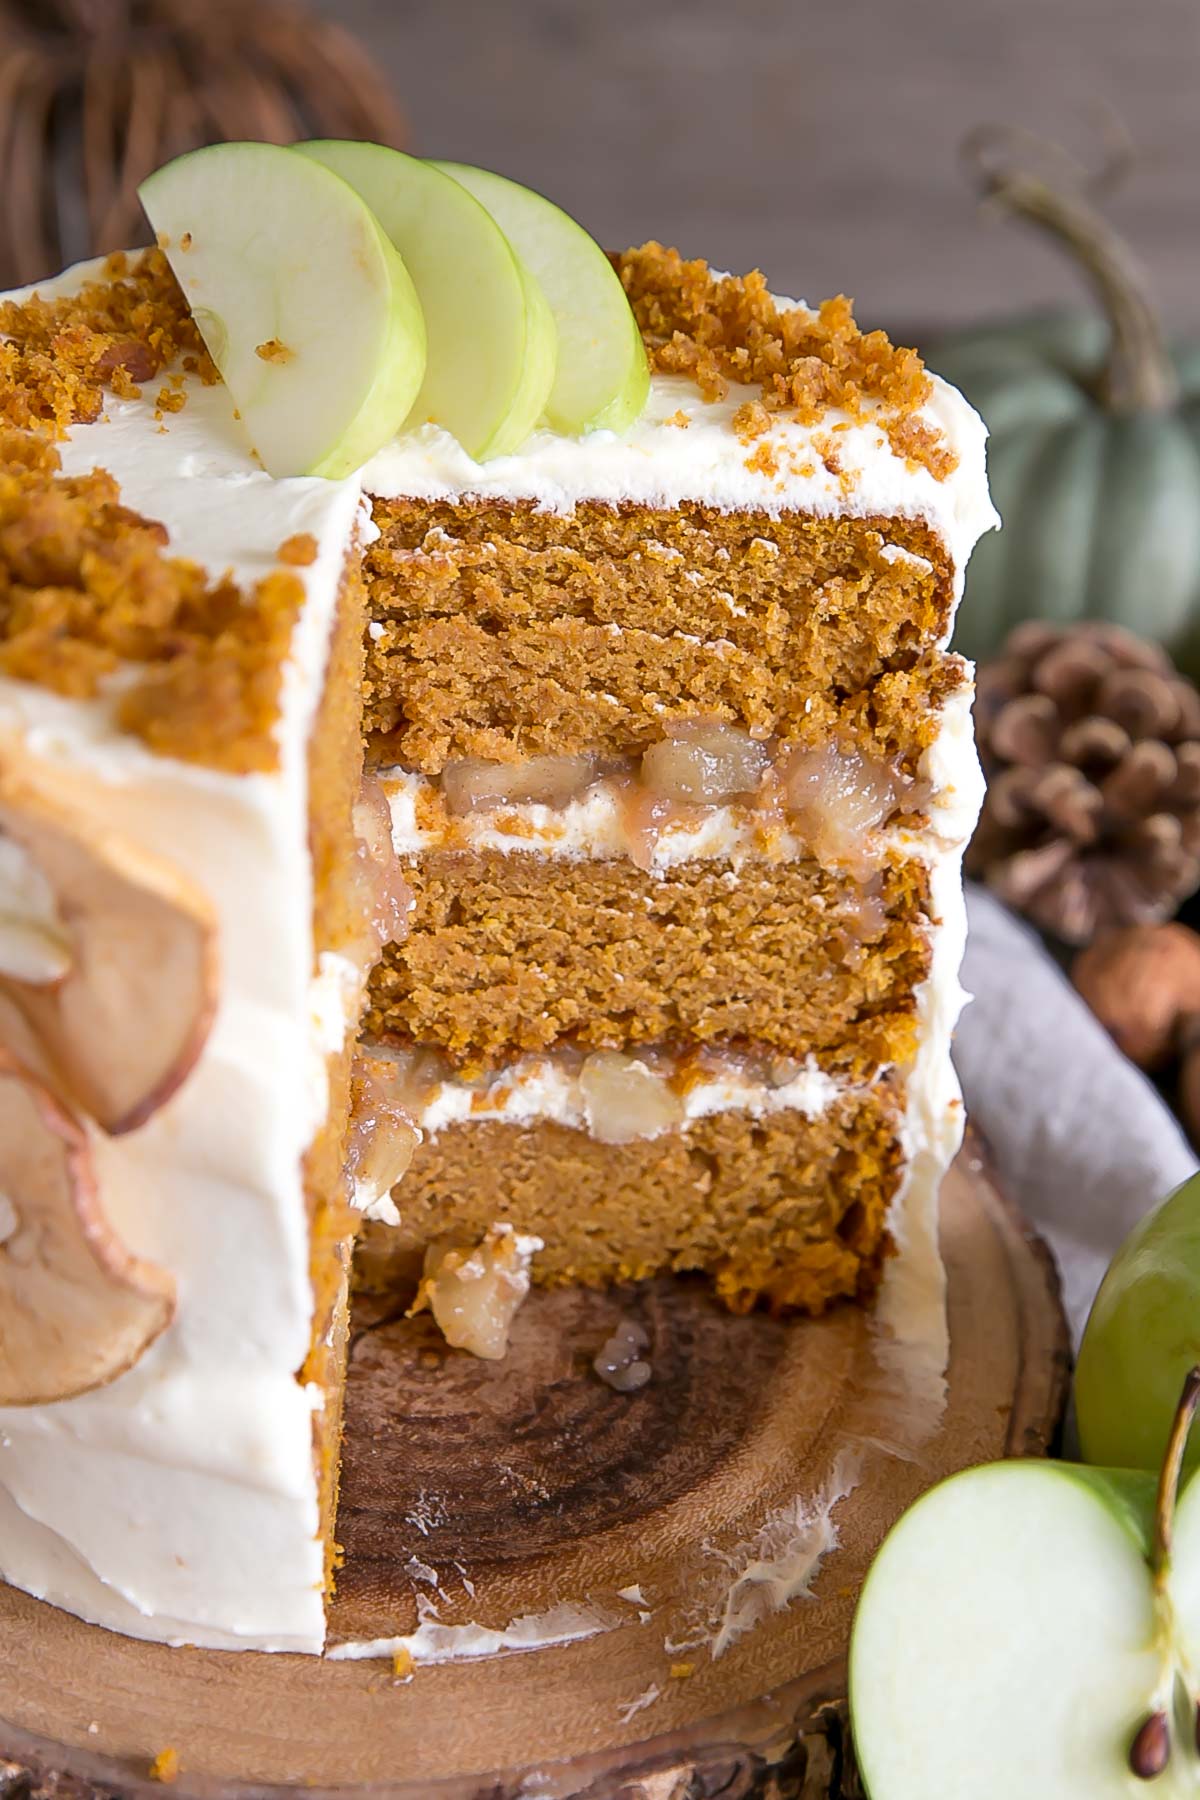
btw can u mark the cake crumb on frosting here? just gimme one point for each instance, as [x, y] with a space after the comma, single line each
[118, 331]
[722, 328]
[165, 1766]
[87, 588]
[299, 550]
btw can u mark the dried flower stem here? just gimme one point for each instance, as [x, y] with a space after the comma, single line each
[94, 94]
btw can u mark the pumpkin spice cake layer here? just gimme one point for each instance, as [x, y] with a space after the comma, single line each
[501, 631]
[783, 1206]
[597, 642]
[509, 953]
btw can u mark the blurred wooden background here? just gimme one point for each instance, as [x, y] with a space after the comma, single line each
[817, 138]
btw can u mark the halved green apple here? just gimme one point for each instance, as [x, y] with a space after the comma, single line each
[1143, 1332]
[1032, 1628]
[304, 302]
[492, 337]
[603, 378]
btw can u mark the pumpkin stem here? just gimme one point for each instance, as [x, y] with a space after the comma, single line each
[1139, 375]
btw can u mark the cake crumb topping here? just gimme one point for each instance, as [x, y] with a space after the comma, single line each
[165, 1766]
[118, 331]
[722, 328]
[299, 550]
[87, 588]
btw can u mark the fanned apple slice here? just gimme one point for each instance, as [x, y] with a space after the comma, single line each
[492, 341]
[303, 301]
[602, 378]
[76, 1308]
[123, 1022]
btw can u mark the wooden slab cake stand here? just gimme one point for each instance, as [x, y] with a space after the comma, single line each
[698, 1514]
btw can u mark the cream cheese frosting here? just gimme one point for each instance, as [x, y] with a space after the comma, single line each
[179, 1503]
[552, 1088]
[911, 1307]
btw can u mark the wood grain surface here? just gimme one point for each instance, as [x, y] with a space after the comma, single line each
[660, 1516]
[816, 140]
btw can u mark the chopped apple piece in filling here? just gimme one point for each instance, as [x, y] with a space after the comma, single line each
[474, 1292]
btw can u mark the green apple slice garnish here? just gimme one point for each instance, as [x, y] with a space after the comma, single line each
[492, 337]
[603, 377]
[303, 300]
[1032, 1628]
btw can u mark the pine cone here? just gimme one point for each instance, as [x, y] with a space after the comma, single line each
[1090, 740]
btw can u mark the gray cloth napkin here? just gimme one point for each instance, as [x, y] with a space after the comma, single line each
[1083, 1142]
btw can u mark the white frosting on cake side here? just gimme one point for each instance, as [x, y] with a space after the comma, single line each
[179, 1503]
[911, 1307]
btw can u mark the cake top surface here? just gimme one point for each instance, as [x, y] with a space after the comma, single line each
[146, 560]
[161, 546]
[720, 329]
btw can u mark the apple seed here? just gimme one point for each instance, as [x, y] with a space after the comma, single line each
[1150, 1751]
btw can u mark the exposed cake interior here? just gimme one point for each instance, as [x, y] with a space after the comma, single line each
[645, 895]
[677, 758]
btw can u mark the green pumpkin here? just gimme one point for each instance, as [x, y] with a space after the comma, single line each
[1093, 458]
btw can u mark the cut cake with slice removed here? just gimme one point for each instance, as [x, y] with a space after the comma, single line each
[677, 771]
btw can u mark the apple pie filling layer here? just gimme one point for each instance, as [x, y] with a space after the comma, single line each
[408, 1094]
[514, 953]
[773, 1204]
[707, 789]
[498, 630]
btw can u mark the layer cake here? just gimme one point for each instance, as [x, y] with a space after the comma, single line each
[649, 908]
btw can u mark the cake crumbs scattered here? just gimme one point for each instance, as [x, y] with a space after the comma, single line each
[680, 1671]
[274, 350]
[298, 550]
[751, 420]
[118, 331]
[165, 1767]
[403, 1665]
[765, 461]
[87, 586]
[679, 419]
[722, 328]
